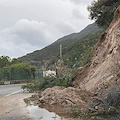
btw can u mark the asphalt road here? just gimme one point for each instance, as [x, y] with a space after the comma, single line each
[6, 90]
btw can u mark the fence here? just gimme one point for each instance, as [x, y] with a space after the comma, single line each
[15, 74]
[38, 74]
[7, 74]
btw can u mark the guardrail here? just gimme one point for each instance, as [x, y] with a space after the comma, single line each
[14, 82]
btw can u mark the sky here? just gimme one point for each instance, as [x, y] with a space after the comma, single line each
[29, 25]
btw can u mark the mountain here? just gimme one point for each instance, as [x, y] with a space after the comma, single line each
[103, 72]
[50, 52]
[92, 28]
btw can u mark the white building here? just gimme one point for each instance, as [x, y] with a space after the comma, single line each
[49, 73]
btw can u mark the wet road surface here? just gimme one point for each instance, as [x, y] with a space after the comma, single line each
[6, 90]
[12, 106]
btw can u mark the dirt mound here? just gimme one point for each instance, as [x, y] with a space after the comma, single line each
[64, 96]
[104, 69]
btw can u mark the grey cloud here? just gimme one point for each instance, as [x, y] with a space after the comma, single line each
[37, 33]
[39, 10]
[30, 32]
[77, 13]
[25, 31]
[81, 1]
[66, 27]
[19, 36]
[14, 51]
[26, 36]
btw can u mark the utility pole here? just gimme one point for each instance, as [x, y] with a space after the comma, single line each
[60, 58]
[60, 51]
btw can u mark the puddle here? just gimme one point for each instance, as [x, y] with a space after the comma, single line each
[42, 114]
[51, 112]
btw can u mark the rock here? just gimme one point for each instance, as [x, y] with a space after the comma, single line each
[64, 96]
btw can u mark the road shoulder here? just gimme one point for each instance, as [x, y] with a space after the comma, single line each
[13, 107]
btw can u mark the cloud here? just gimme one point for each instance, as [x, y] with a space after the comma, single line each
[26, 36]
[81, 1]
[45, 21]
[77, 13]
[25, 31]
[65, 27]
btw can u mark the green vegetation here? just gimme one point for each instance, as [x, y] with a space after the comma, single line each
[82, 114]
[106, 107]
[15, 70]
[4, 61]
[102, 11]
[111, 102]
[109, 106]
[80, 53]
[47, 82]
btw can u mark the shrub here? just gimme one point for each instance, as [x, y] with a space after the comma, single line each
[47, 82]
[107, 106]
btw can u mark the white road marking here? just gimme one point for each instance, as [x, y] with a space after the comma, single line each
[13, 93]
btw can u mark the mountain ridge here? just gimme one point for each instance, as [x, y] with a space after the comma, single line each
[51, 51]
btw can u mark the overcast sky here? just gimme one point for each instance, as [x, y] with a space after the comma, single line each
[29, 25]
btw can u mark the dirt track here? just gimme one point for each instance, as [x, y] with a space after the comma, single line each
[13, 107]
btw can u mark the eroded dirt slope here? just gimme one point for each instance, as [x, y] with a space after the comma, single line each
[104, 69]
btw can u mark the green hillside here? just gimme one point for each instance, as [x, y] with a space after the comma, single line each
[79, 53]
[51, 52]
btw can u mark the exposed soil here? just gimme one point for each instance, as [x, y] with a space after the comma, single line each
[104, 69]
[64, 96]
[14, 108]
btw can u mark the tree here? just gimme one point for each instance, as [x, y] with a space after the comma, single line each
[102, 11]
[4, 61]
[14, 61]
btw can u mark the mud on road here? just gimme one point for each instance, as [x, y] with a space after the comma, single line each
[13, 107]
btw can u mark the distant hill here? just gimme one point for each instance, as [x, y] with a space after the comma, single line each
[50, 52]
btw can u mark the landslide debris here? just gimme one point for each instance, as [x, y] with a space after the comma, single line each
[64, 96]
